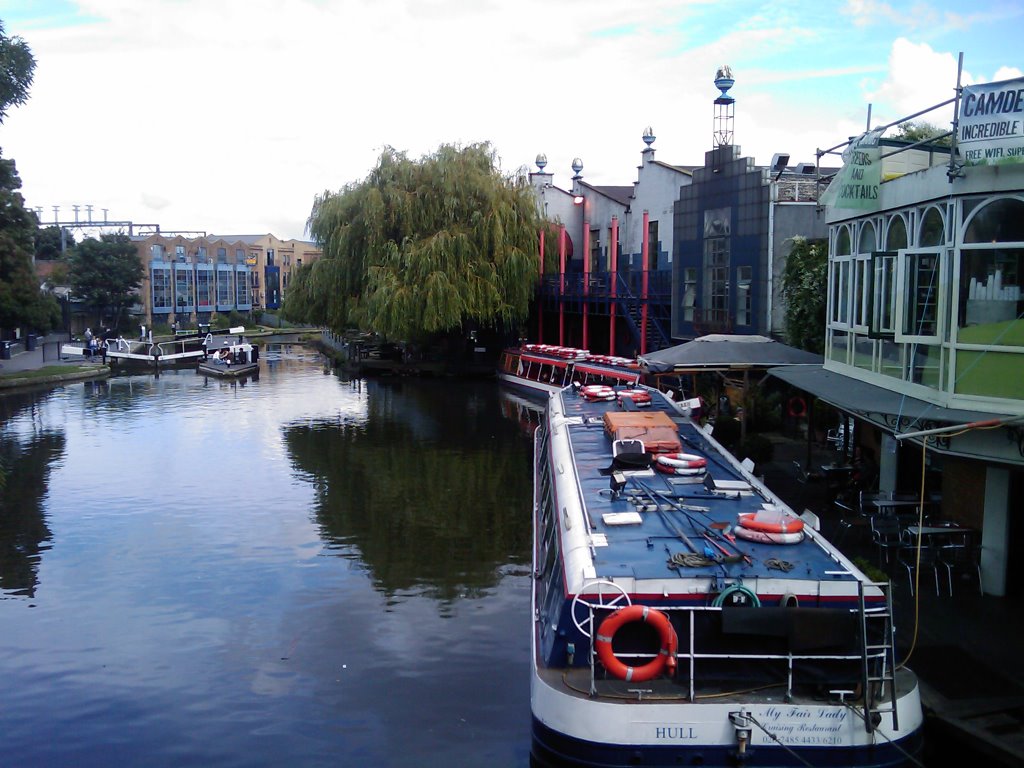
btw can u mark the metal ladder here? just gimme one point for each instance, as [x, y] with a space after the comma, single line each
[874, 686]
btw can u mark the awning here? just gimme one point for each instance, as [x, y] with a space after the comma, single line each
[897, 413]
[722, 352]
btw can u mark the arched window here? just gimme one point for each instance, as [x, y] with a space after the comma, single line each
[1001, 221]
[843, 242]
[896, 237]
[867, 238]
[933, 230]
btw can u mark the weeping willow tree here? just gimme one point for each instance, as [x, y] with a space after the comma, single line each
[422, 247]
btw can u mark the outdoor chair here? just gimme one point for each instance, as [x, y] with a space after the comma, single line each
[962, 556]
[886, 533]
[916, 559]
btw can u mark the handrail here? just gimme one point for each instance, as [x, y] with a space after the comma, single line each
[687, 651]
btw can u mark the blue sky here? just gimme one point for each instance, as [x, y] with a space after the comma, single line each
[229, 116]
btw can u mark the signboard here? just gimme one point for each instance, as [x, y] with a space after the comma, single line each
[990, 129]
[251, 259]
[856, 184]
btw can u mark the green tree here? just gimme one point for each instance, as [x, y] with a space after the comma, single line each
[17, 68]
[921, 130]
[422, 247]
[805, 285]
[49, 245]
[22, 304]
[106, 274]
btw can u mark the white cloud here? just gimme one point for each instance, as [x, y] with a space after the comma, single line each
[230, 116]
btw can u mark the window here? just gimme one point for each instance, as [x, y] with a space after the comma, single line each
[184, 295]
[932, 228]
[225, 290]
[716, 266]
[241, 288]
[841, 292]
[201, 254]
[883, 295]
[717, 235]
[160, 281]
[156, 252]
[689, 292]
[239, 256]
[179, 253]
[920, 309]
[203, 297]
[595, 250]
[652, 245]
[991, 299]
[744, 296]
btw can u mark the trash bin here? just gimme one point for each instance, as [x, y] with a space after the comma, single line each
[30, 342]
[5, 350]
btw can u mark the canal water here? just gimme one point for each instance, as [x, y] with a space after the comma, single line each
[294, 570]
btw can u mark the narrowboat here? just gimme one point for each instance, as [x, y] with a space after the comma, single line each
[684, 615]
[230, 356]
[540, 370]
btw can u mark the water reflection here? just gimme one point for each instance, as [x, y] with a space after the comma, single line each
[417, 488]
[27, 450]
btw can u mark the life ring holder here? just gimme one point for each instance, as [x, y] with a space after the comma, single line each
[585, 625]
[666, 655]
[797, 408]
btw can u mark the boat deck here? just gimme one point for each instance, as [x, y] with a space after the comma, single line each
[682, 516]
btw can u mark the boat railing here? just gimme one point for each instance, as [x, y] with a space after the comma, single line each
[684, 619]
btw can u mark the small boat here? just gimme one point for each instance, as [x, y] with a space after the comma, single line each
[684, 615]
[230, 356]
[540, 370]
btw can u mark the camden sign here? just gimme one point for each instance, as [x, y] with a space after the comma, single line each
[856, 184]
[990, 130]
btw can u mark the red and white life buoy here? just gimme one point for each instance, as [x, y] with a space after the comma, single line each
[666, 655]
[598, 392]
[638, 396]
[785, 524]
[682, 460]
[764, 537]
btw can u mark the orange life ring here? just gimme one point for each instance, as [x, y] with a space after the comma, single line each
[764, 537]
[789, 524]
[598, 392]
[797, 407]
[638, 396]
[666, 655]
[682, 460]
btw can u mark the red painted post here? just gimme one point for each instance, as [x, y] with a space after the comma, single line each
[586, 283]
[561, 285]
[614, 279]
[645, 258]
[540, 304]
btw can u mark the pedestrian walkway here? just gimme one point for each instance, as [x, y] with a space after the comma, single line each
[46, 354]
[963, 646]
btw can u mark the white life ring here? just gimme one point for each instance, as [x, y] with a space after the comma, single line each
[682, 460]
[598, 392]
[638, 396]
[764, 537]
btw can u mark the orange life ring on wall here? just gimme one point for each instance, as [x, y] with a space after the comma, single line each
[797, 407]
[666, 655]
